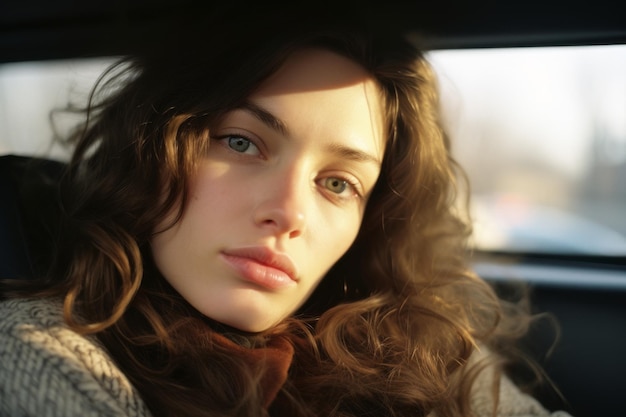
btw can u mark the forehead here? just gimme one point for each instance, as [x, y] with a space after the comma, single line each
[318, 85]
[316, 69]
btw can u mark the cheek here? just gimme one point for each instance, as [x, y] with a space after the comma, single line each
[349, 235]
[213, 194]
[217, 181]
[339, 236]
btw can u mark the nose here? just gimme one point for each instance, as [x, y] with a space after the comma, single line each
[282, 204]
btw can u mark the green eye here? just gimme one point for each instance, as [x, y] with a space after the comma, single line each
[336, 185]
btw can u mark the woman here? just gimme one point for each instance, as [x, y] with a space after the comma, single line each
[260, 224]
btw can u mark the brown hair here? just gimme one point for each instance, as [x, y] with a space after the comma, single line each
[390, 329]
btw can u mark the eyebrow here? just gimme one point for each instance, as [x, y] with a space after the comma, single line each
[278, 125]
[346, 152]
[266, 117]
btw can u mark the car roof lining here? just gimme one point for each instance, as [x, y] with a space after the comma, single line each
[44, 29]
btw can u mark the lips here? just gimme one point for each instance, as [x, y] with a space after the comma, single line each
[262, 266]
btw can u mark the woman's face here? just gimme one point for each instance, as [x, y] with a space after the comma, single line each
[280, 196]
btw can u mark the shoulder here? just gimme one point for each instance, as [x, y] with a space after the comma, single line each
[491, 386]
[46, 368]
[15, 312]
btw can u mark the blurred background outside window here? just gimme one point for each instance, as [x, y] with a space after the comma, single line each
[542, 134]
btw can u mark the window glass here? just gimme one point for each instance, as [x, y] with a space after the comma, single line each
[29, 91]
[542, 135]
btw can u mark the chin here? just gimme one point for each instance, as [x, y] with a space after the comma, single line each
[252, 327]
[248, 326]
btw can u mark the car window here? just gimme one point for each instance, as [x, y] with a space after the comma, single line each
[29, 91]
[540, 131]
[542, 134]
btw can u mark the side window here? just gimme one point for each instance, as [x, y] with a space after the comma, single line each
[542, 134]
[540, 131]
[29, 91]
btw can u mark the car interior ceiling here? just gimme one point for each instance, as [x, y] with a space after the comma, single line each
[588, 363]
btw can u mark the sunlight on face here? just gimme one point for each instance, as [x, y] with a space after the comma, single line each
[281, 194]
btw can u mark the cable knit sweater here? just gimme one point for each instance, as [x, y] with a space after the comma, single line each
[46, 369]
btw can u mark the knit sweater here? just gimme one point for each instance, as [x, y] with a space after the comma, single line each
[46, 369]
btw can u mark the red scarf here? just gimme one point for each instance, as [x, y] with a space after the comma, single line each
[275, 357]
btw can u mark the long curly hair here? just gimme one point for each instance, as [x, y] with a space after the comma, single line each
[391, 328]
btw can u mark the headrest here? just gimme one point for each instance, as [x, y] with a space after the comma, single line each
[28, 210]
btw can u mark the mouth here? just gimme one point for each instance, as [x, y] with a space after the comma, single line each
[262, 266]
